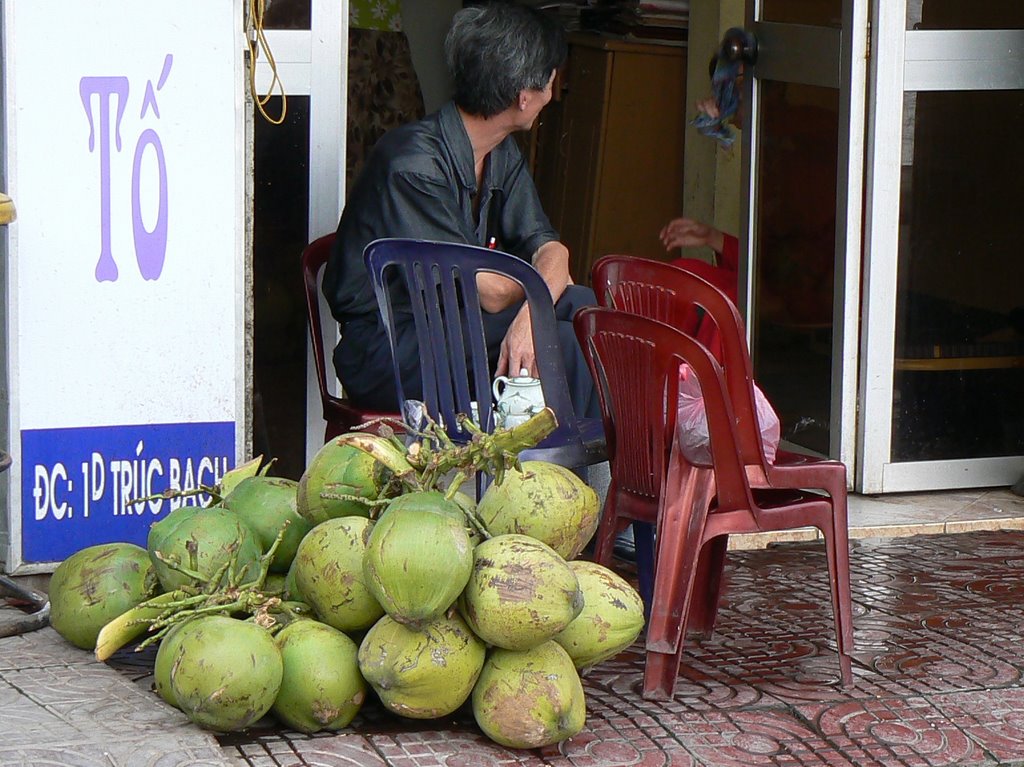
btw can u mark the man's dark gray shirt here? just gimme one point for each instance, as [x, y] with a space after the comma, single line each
[419, 182]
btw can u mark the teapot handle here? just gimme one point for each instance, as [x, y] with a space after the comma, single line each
[494, 386]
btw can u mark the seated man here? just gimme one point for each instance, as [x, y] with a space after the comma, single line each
[458, 176]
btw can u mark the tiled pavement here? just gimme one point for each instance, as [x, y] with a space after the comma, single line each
[939, 663]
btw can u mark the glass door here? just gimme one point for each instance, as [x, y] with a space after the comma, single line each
[943, 349]
[803, 163]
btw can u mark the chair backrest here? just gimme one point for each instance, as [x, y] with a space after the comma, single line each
[673, 295]
[635, 285]
[436, 290]
[314, 258]
[632, 376]
[636, 361]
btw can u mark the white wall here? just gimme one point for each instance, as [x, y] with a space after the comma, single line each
[425, 23]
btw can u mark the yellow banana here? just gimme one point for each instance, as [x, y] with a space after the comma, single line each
[133, 623]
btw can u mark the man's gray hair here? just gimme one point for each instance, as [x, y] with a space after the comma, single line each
[498, 49]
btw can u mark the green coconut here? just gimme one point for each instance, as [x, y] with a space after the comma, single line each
[529, 698]
[521, 592]
[204, 542]
[225, 673]
[338, 469]
[545, 501]
[424, 673]
[165, 654]
[159, 530]
[95, 585]
[321, 688]
[418, 558]
[467, 505]
[291, 588]
[458, 508]
[611, 620]
[328, 573]
[267, 504]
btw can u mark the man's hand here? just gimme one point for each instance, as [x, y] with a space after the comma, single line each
[517, 347]
[552, 261]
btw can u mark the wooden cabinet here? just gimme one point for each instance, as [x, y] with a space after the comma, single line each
[608, 154]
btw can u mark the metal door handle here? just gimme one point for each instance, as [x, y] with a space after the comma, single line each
[739, 44]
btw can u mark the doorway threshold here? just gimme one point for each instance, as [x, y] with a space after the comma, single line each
[896, 515]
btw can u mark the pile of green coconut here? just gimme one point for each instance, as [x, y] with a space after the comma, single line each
[373, 571]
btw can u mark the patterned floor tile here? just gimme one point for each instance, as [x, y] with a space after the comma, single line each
[457, 748]
[131, 754]
[755, 738]
[288, 749]
[701, 686]
[926, 661]
[113, 716]
[896, 731]
[39, 649]
[992, 718]
[24, 721]
[626, 731]
[69, 684]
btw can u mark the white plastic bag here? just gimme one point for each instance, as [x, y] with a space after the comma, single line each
[692, 422]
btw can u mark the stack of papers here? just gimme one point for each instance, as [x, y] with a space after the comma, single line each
[665, 22]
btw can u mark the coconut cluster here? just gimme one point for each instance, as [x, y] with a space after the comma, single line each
[427, 599]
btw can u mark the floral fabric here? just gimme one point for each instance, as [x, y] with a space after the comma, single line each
[383, 91]
[385, 15]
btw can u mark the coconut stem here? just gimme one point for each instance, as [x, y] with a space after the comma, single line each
[349, 497]
[213, 596]
[425, 463]
[173, 492]
[476, 523]
[395, 458]
[265, 561]
[175, 564]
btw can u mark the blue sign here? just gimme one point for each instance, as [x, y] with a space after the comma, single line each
[82, 486]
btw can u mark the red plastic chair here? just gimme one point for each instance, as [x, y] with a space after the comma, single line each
[621, 283]
[693, 508]
[339, 413]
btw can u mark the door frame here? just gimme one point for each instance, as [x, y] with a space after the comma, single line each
[314, 62]
[838, 59]
[912, 60]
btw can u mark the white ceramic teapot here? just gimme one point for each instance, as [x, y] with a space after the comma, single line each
[517, 398]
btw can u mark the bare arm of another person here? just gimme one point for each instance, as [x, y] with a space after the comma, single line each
[708, 107]
[552, 261]
[689, 233]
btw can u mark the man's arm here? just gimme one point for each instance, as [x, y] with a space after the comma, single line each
[551, 260]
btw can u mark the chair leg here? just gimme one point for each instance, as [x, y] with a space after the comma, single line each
[837, 547]
[707, 587]
[607, 530]
[661, 669]
[660, 673]
[681, 527]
